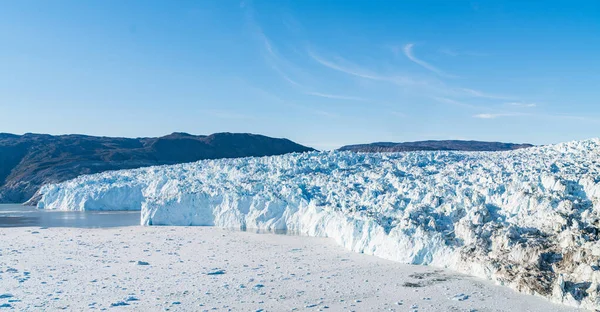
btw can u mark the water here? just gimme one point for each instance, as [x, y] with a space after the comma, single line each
[14, 215]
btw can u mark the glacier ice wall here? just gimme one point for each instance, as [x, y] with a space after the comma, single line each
[528, 219]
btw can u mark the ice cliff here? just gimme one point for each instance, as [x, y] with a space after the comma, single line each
[528, 219]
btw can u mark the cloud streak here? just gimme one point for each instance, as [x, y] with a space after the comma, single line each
[276, 62]
[336, 97]
[494, 116]
[456, 103]
[476, 93]
[299, 79]
[519, 104]
[546, 116]
[408, 51]
[428, 86]
[350, 70]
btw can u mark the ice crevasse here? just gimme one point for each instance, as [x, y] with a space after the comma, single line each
[528, 219]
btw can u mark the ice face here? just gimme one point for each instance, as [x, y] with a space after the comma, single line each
[528, 218]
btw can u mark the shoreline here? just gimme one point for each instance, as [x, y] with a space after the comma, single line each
[201, 268]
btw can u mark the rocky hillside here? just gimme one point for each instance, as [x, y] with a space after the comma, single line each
[448, 145]
[29, 161]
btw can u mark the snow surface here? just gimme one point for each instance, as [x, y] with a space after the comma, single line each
[528, 219]
[76, 269]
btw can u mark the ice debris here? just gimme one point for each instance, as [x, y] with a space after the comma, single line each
[119, 304]
[460, 297]
[216, 272]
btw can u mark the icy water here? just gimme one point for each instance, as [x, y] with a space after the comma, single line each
[14, 215]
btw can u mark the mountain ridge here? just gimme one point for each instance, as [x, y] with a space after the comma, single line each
[31, 160]
[434, 145]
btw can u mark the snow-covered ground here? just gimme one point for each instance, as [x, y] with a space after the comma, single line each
[211, 269]
[528, 219]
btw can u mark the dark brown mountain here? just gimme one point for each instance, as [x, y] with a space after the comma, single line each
[448, 145]
[29, 161]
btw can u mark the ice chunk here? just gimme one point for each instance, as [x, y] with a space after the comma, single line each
[460, 297]
[216, 272]
[119, 304]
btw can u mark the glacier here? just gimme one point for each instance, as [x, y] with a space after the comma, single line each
[528, 219]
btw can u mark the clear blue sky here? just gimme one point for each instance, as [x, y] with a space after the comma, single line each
[322, 73]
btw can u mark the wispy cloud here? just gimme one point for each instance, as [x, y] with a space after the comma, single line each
[456, 103]
[280, 101]
[291, 23]
[520, 104]
[449, 52]
[491, 114]
[408, 51]
[422, 85]
[494, 116]
[308, 90]
[270, 54]
[337, 97]
[301, 79]
[298, 68]
[277, 62]
[532, 115]
[348, 69]
[351, 69]
[476, 93]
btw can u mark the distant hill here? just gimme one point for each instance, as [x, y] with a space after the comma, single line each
[29, 161]
[448, 145]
